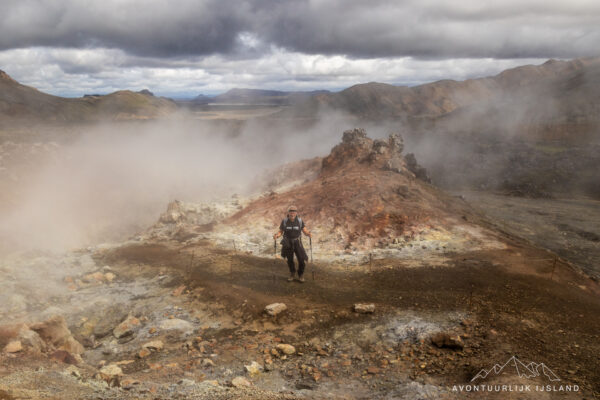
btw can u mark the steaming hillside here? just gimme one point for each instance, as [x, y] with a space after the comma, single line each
[558, 99]
[19, 103]
[364, 197]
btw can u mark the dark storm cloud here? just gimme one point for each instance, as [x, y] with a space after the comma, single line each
[159, 28]
[357, 28]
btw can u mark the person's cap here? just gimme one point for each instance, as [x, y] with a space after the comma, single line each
[292, 208]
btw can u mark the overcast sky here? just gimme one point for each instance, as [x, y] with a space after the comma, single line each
[187, 47]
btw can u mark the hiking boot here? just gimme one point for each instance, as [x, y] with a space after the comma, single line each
[301, 279]
[291, 278]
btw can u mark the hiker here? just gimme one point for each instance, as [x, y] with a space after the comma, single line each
[291, 228]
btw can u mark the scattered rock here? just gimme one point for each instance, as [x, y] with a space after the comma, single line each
[240, 382]
[155, 345]
[109, 318]
[177, 292]
[304, 385]
[253, 369]
[373, 370]
[128, 383]
[286, 349]
[491, 334]
[53, 331]
[443, 339]
[72, 346]
[13, 347]
[64, 357]
[126, 327]
[93, 277]
[364, 308]
[31, 340]
[74, 371]
[143, 353]
[268, 366]
[275, 308]
[207, 362]
[109, 277]
[176, 324]
[111, 374]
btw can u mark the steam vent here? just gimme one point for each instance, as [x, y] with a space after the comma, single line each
[365, 198]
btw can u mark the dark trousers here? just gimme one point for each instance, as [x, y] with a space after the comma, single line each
[290, 261]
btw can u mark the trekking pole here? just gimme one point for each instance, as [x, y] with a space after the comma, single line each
[274, 257]
[311, 258]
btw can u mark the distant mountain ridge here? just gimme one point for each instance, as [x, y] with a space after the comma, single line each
[258, 97]
[20, 102]
[548, 101]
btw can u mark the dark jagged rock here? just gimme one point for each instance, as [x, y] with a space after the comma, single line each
[415, 168]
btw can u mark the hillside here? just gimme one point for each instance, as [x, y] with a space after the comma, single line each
[547, 101]
[23, 103]
[410, 293]
[364, 197]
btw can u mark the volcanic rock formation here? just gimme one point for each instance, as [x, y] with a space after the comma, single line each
[362, 198]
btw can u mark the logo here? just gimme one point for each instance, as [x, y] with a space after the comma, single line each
[523, 370]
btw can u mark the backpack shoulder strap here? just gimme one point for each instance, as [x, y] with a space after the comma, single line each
[299, 221]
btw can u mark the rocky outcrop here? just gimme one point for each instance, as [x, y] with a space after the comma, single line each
[364, 198]
[48, 336]
[415, 168]
[55, 333]
[356, 147]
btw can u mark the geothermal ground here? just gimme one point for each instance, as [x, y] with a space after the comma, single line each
[181, 320]
[420, 305]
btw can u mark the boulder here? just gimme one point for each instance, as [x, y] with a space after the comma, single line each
[144, 353]
[356, 136]
[286, 349]
[111, 374]
[53, 331]
[253, 369]
[444, 339]
[396, 143]
[207, 362]
[127, 327]
[240, 381]
[109, 318]
[275, 308]
[13, 347]
[155, 345]
[176, 324]
[415, 168]
[72, 346]
[65, 357]
[364, 308]
[31, 340]
[173, 214]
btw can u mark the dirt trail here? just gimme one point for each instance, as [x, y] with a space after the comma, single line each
[509, 306]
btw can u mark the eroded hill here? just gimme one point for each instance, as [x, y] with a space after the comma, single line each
[24, 104]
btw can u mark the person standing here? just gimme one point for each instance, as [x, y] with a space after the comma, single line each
[291, 228]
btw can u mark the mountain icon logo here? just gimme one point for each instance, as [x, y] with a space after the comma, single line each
[523, 370]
